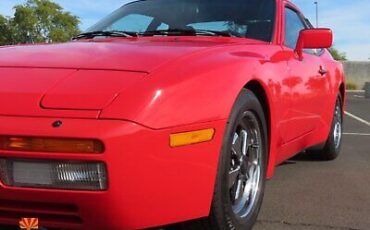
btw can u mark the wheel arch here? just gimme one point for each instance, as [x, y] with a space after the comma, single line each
[342, 91]
[262, 94]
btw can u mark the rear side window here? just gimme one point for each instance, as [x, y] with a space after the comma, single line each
[293, 25]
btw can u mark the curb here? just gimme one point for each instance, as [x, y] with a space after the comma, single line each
[355, 91]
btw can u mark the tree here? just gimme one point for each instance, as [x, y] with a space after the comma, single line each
[39, 21]
[339, 56]
[4, 31]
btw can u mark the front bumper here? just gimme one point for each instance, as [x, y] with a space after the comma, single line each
[149, 183]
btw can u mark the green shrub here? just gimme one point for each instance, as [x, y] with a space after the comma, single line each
[351, 86]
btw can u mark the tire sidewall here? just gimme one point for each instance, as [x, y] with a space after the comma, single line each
[331, 146]
[246, 101]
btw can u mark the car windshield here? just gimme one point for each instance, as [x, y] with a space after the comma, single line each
[241, 18]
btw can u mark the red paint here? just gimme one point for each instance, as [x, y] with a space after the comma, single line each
[313, 38]
[132, 94]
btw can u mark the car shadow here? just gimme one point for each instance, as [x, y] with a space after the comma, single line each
[301, 157]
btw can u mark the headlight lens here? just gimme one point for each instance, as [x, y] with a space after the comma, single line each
[53, 174]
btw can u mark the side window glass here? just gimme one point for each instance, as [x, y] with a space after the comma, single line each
[293, 25]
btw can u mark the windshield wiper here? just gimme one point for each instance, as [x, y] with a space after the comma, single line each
[215, 33]
[186, 32]
[114, 33]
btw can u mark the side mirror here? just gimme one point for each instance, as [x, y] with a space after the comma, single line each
[313, 39]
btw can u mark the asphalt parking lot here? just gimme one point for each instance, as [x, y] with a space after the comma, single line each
[311, 195]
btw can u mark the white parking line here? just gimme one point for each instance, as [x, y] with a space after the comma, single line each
[357, 118]
[356, 134]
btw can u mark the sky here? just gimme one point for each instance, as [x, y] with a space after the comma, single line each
[349, 19]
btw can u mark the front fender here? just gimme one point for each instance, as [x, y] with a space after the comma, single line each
[198, 88]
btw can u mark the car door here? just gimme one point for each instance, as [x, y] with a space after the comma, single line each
[306, 80]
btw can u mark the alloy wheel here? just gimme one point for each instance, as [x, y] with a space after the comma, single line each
[337, 127]
[245, 165]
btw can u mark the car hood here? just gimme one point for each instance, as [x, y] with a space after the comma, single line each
[83, 78]
[143, 54]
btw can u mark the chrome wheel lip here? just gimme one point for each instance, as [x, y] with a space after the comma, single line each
[337, 131]
[246, 165]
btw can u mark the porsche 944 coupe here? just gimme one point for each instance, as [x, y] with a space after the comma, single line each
[165, 112]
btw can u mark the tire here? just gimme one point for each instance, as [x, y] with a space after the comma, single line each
[238, 194]
[333, 144]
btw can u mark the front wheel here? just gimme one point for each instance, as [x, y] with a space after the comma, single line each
[242, 169]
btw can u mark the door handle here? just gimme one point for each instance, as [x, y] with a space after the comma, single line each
[322, 71]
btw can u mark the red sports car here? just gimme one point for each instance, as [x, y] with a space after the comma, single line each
[165, 112]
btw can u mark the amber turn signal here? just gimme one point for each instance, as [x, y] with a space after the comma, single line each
[56, 145]
[193, 137]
